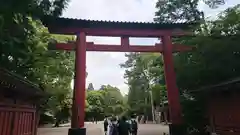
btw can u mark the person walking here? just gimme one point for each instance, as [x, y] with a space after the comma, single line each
[112, 127]
[105, 124]
[133, 126]
[123, 127]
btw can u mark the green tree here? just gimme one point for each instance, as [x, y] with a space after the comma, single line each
[107, 101]
[23, 43]
[182, 10]
[95, 101]
[17, 30]
[144, 73]
[52, 70]
[159, 94]
[217, 44]
[113, 99]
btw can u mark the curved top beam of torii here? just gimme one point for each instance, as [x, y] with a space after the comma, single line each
[72, 26]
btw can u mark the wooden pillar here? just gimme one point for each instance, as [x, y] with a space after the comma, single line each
[172, 90]
[78, 108]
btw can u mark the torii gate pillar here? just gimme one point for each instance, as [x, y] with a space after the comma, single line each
[175, 127]
[78, 111]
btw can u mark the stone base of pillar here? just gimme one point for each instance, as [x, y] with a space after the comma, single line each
[77, 131]
[176, 129]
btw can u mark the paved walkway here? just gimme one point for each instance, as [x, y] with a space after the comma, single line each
[97, 129]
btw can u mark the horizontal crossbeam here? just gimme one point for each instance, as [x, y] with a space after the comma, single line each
[118, 48]
[121, 32]
[136, 33]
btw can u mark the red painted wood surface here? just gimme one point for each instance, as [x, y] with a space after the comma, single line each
[170, 77]
[78, 112]
[224, 111]
[17, 119]
[121, 48]
[120, 32]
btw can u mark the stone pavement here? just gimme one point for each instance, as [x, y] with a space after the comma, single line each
[97, 129]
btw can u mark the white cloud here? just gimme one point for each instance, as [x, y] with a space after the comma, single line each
[103, 67]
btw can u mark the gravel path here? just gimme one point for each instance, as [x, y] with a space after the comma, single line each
[97, 129]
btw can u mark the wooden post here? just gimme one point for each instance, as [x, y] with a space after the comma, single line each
[172, 90]
[78, 108]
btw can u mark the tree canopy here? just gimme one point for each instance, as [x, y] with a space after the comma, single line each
[107, 101]
[216, 55]
[182, 10]
[144, 74]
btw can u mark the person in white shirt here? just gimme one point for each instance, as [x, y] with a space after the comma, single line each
[112, 127]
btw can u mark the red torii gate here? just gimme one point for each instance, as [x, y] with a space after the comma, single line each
[83, 28]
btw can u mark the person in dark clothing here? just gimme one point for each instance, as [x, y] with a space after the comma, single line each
[133, 126]
[105, 125]
[123, 127]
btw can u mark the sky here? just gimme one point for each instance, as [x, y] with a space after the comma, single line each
[103, 67]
